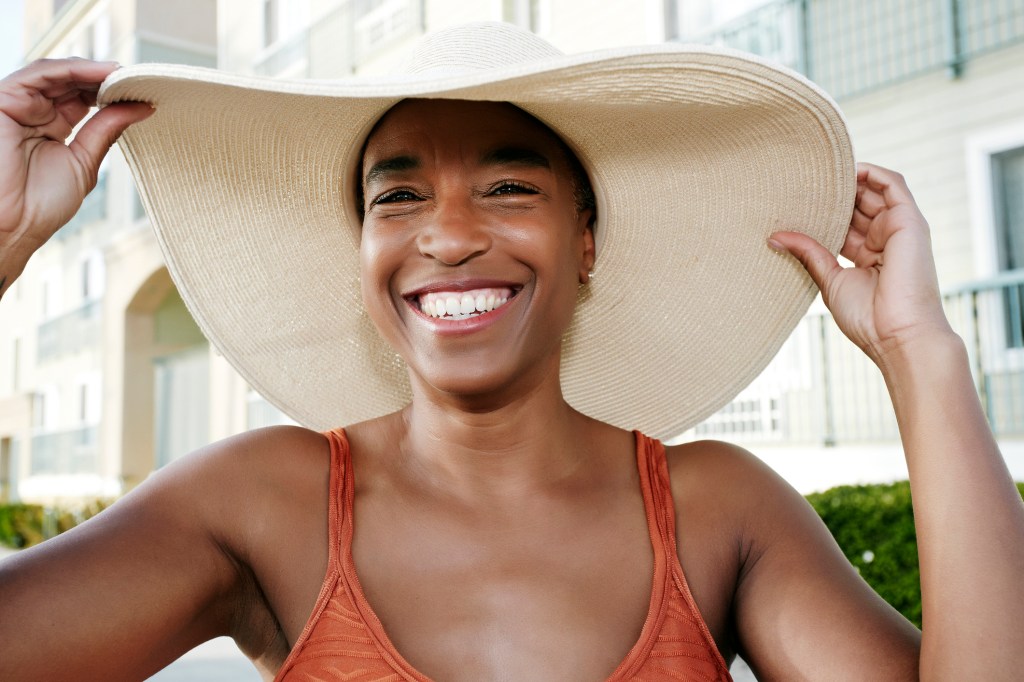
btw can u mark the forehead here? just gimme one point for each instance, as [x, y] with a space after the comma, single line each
[455, 126]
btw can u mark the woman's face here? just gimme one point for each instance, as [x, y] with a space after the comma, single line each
[472, 245]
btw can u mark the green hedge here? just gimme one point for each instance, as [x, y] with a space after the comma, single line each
[24, 525]
[874, 526]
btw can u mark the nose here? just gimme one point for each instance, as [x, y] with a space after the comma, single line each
[455, 233]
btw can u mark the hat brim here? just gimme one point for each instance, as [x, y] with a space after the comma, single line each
[696, 156]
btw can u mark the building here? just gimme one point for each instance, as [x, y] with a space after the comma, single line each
[103, 375]
[98, 350]
[931, 88]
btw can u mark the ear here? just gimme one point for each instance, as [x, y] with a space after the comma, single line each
[589, 253]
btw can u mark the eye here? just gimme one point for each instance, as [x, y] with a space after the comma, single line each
[512, 187]
[395, 196]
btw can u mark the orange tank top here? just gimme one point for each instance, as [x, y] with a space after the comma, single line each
[344, 639]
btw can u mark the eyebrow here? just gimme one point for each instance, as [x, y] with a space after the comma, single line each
[395, 164]
[501, 156]
[515, 156]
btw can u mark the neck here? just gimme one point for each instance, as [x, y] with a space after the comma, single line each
[492, 448]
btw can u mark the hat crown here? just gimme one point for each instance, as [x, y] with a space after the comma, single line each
[471, 48]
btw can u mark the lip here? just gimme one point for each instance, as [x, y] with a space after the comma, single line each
[469, 325]
[462, 284]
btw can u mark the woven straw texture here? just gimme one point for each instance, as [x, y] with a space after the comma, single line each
[696, 156]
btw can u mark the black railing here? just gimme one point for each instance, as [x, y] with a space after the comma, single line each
[850, 47]
[821, 389]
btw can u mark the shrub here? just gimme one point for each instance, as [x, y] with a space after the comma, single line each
[24, 525]
[874, 526]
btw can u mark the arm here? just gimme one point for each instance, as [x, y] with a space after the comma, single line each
[125, 593]
[969, 516]
[128, 591]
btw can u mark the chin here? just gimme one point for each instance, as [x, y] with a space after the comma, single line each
[476, 383]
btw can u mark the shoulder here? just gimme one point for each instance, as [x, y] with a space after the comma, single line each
[727, 479]
[180, 559]
[788, 590]
[254, 486]
[263, 497]
[742, 501]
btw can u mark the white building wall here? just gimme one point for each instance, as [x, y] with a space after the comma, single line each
[925, 128]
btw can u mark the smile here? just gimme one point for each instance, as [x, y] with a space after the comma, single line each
[459, 305]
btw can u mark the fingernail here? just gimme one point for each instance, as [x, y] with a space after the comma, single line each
[776, 246]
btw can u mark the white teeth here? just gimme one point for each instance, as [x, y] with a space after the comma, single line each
[462, 304]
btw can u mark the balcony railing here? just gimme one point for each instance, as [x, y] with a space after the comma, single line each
[72, 332]
[850, 48]
[821, 389]
[73, 451]
[343, 39]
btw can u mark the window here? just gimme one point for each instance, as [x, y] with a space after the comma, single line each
[1008, 197]
[101, 37]
[1008, 215]
[89, 397]
[91, 279]
[45, 409]
[51, 293]
[530, 14]
[283, 18]
[16, 368]
[696, 17]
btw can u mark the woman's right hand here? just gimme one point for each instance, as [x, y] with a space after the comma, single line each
[43, 178]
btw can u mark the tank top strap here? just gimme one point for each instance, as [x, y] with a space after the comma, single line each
[656, 462]
[657, 489]
[338, 468]
[339, 482]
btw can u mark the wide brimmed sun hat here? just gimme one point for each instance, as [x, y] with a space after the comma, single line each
[696, 155]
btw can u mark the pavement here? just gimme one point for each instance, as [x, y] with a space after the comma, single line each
[218, 660]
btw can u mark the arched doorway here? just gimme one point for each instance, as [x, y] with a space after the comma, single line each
[166, 380]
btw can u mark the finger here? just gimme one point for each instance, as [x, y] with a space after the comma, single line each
[101, 131]
[870, 201]
[819, 262]
[853, 246]
[27, 95]
[889, 184]
[48, 73]
[859, 222]
[74, 108]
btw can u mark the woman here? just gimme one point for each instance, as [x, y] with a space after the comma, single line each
[497, 532]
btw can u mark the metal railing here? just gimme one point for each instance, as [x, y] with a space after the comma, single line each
[74, 451]
[822, 390]
[341, 40]
[850, 47]
[71, 332]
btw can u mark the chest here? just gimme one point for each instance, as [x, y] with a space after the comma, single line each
[553, 591]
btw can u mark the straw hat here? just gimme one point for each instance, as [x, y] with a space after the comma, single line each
[696, 155]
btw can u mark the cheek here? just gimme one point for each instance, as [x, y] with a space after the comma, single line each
[376, 267]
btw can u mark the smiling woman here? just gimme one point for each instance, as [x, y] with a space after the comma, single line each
[487, 511]
[468, 201]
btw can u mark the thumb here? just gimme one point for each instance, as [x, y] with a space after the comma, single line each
[99, 133]
[819, 262]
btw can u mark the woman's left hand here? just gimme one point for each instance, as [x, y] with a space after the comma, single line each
[891, 295]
